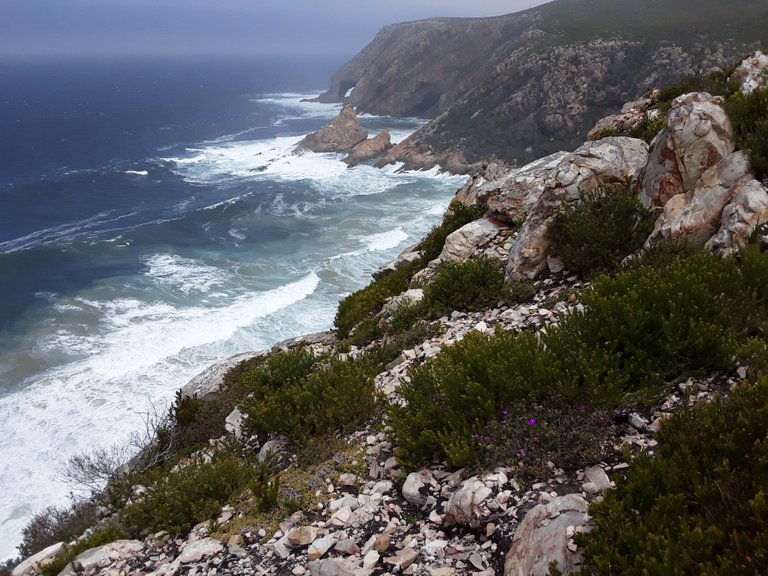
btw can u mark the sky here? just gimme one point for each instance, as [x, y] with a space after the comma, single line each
[178, 27]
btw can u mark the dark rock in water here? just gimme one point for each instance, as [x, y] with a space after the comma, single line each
[340, 135]
[369, 149]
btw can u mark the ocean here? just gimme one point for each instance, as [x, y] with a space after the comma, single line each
[154, 220]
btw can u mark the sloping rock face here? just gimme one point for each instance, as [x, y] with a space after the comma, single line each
[520, 86]
[369, 149]
[530, 196]
[750, 72]
[705, 191]
[421, 68]
[340, 135]
[631, 115]
[544, 536]
[697, 136]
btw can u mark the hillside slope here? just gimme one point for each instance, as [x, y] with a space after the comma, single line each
[526, 84]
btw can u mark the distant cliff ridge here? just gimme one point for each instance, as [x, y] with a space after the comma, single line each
[520, 86]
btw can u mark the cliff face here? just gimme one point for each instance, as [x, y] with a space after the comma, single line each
[520, 86]
[421, 68]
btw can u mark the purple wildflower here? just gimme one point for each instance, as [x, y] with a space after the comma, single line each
[532, 422]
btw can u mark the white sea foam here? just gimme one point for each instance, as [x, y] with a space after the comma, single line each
[138, 354]
[385, 240]
[137, 172]
[183, 275]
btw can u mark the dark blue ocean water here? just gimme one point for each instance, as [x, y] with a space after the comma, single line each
[153, 220]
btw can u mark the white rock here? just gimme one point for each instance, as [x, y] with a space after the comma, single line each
[301, 536]
[319, 547]
[463, 506]
[414, 489]
[541, 538]
[32, 565]
[102, 556]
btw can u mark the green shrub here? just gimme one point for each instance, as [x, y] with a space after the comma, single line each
[460, 391]
[700, 505]
[474, 284]
[363, 305]
[749, 116]
[356, 312]
[598, 231]
[531, 434]
[639, 330]
[648, 129]
[316, 398]
[648, 325]
[55, 524]
[178, 498]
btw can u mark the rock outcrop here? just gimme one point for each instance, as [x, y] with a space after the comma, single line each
[369, 149]
[341, 134]
[546, 535]
[698, 134]
[750, 72]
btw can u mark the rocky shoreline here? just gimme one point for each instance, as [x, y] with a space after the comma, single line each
[369, 515]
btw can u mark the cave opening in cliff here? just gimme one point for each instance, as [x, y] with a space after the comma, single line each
[345, 89]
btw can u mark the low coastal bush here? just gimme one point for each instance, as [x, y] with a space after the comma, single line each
[57, 524]
[596, 233]
[180, 497]
[700, 505]
[298, 395]
[474, 284]
[462, 390]
[356, 312]
[749, 116]
[640, 329]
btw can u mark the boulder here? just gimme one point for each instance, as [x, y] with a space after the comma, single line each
[470, 240]
[462, 507]
[233, 423]
[750, 73]
[207, 384]
[597, 480]
[412, 296]
[276, 446]
[414, 490]
[406, 257]
[96, 558]
[535, 193]
[545, 536]
[33, 565]
[301, 536]
[747, 209]
[695, 216]
[631, 115]
[331, 567]
[319, 547]
[196, 551]
[697, 136]
[341, 134]
[369, 149]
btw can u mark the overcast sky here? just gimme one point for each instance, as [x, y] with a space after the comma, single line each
[103, 27]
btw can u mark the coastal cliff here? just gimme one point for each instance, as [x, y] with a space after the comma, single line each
[491, 403]
[520, 86]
